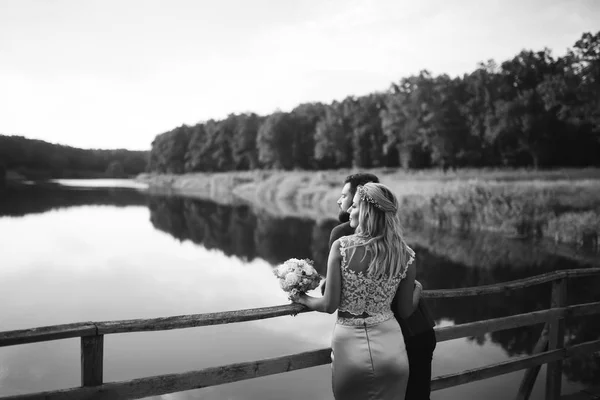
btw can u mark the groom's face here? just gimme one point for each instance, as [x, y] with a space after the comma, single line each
[344, 203]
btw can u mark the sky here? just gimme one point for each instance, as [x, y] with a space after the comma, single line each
[115, 73]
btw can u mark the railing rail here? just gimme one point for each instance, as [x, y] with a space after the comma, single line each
[92, 345]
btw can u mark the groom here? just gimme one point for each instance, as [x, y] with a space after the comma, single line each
[419, 336]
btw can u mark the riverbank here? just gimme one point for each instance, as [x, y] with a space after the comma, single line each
[560, 205]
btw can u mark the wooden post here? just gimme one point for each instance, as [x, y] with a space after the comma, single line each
[531, 374]
[92, 355]
[556, 338]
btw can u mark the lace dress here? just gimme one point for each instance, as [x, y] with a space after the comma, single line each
[369, 358]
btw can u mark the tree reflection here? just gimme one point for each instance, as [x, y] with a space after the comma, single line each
[22, 200]
[280, 239]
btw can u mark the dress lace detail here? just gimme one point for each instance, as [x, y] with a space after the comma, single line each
[362, 293]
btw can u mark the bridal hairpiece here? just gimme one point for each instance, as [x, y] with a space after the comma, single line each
[367, 197]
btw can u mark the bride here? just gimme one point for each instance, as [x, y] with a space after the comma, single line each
[364, 272]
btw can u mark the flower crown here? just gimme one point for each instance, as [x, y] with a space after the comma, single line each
[367, 197]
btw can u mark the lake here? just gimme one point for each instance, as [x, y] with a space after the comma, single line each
[103, 250]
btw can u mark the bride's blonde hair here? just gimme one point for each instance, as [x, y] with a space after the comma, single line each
[379, 223]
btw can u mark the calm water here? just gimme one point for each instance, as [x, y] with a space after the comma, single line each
[92, 254]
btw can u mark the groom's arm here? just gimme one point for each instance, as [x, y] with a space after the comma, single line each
[404, 296]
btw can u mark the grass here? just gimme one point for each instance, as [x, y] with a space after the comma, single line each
[517, 208]
[580, 228]
[562, 205]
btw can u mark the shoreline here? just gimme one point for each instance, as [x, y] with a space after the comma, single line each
[560, 206]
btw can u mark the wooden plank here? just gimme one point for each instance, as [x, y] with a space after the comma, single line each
[590, 347]
[506, 287]
[583, 309]
[496, 324]
[497, 287]
[46, 333]
[528, 381]
[506, 367]
[55, 332]
[514, 321]
[92, 360]
[556, 338]
[189, 321]
[582, 272]
[164, 384]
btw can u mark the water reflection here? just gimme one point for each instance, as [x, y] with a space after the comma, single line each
[445, 261]
[237, 231]
[23, 200]
[109, 263]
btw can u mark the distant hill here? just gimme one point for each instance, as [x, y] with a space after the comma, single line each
[37, 159]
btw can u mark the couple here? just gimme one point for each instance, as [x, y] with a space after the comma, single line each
[383, 340]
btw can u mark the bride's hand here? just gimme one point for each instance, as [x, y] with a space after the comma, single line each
[298, 298]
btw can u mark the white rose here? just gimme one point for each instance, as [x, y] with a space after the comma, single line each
[291, 280]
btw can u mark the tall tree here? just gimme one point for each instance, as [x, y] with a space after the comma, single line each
[446, 132]
[333, 139]
[520, 127]
[169, 150]
[367, 133]
[195, 157]
[305, 119]
[275, 141]
[243, 145]
[479, 110]
[404, 119]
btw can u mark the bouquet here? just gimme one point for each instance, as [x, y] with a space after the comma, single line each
[297, 276]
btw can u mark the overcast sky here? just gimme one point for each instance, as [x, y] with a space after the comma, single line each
[114, 74]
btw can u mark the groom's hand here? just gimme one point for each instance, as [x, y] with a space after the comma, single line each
[418, 288]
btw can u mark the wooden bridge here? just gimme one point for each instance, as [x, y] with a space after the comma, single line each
[549, 349]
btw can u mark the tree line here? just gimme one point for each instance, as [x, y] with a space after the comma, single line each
[534, 110]
[37, 159]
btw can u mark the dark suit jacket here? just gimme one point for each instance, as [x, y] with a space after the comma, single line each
[420, 320]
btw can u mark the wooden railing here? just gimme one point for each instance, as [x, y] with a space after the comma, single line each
[549, 350]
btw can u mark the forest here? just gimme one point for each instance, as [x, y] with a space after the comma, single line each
[535, 110]
[37, 159]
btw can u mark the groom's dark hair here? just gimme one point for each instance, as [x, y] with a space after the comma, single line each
[356, 180]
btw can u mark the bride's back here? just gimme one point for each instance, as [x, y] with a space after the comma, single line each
[369, 356]
[361, 291]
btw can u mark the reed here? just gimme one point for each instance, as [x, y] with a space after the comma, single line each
[562, 205]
